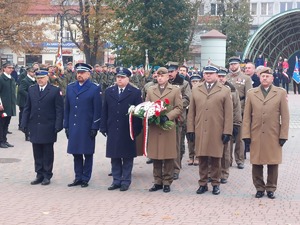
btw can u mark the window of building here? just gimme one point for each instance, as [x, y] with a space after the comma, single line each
[298, 5]
[253, 9]
[216, 9]
[267, 8]
[284, 6]
[201, 9]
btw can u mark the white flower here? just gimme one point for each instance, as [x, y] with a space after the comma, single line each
[131, 109]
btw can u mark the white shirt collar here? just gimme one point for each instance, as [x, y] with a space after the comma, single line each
[30, 77]
[7, 75]
[43, 87]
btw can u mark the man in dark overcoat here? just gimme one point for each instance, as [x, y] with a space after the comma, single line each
[23, 93]
[43, 118]
[115, 124]
[81, 122]
[7, 102]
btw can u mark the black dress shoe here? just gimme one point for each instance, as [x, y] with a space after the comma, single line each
[113, 187]
[241, 166]
[149, 161]
[9, 145]
[216, 190]
[156, 187]
[46, 181]
[84, 184]
[209, 179]
[166, 188]
[9, 132]
[75, 183]
[223, 181]
[37, 181]
[124, 187]
[175, 176]
[110, 174]
[3, 145]
[202, 189]
[270, 194]
[259, 194]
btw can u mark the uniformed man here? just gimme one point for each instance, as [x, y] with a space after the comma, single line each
[175, 79]
[242, 83]
[161, 148]
[195, 80]
[237, 120]
[99, 77]
[110, 76]
[114, 124]
[23, 93]
[209, 124]
[81, 122]
[43, 119]
[265, 129]
[69, 73]
[7, 102]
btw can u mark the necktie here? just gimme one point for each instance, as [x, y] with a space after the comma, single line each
[208, 87]
[41, 91]
[121, 91]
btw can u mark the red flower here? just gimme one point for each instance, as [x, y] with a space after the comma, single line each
[157, 113]
[158, 102]
[167, 101]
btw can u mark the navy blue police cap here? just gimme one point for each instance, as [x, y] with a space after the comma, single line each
[41, 73]
[83, 67]
[121, 71]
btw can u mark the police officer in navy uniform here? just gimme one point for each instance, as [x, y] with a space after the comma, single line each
[114, 124]
[43, 118]
[82, 119]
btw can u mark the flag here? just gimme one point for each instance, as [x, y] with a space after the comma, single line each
[147, 61]
[296, 76]
[58, 61]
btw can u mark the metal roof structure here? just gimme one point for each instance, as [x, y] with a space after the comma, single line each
[279, 36]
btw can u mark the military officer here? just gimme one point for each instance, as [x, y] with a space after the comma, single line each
[23, 93]
[7, 102]
[43, 119]
[237, 120]
[114, 124]
[160, 148]
[69, 73]
[265, 129]
[177, 80]
[209, 124]
[81, 122]
[242, 83]
[195, 79]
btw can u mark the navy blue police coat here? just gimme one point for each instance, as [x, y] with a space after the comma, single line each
[82, 114]
[43, 114]
[115, 121]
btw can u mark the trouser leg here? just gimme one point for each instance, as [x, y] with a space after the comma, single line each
[78, 166]
[157, 171]
[87, 167]
[168, 171]
[127, 171]
[225, 161]
[203, 170]
[38, 160]
[258, 177]
[272, 178]
[48, 159]
[215, 170]
[116, 170]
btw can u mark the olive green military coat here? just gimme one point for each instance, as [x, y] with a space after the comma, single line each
[210, 115]
[162, 143]
[266, 120]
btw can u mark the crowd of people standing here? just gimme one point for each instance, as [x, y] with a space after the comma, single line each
[215, 111]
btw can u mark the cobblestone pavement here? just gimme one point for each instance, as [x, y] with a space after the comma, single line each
[22, 203]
